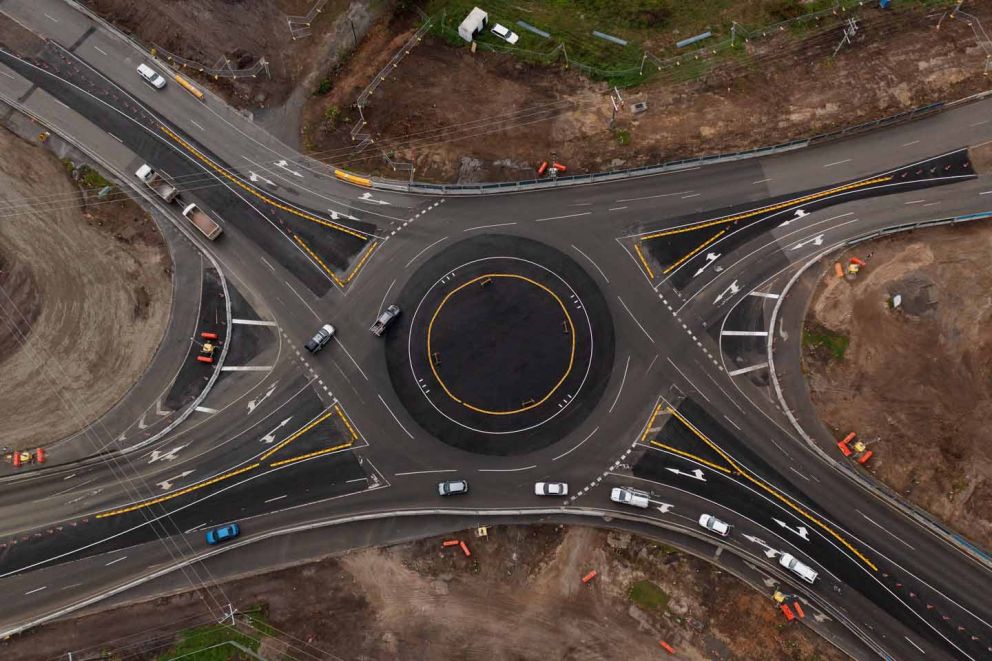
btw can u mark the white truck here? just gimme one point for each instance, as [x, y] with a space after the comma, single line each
[157, 183]
[386, 318]
[202, 222]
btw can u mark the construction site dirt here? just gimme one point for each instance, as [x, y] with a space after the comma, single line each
[913, 380]
[520, 595]
[102, 267]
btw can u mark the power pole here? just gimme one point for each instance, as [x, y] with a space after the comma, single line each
[849, 31]
[229, 611]
[617, 101]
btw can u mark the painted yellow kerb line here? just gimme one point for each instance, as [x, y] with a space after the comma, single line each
[773, 207]
[296, 435]
[310, 455]
[351, 430]
[771, 491]
[176, 494]
[571, 357]
[240, 184]
[637, 247]
[696, 250]
[647, 427]
[689, 455]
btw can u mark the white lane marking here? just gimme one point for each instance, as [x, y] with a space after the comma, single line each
[99, 50]
[246, 368]
[745, 370]
[593, 263]
[761, 181]
[830, 165]
[357, 479]
[914, 644]
[653, 361]
[622, 381]
[196, 124]
[115, 137]
[577, 446]
[114, 562]
[68, 477]
[205, 409]
[62, 104]
[984, 121]
[423, 251]
[931, 204]
[871, 521]
[51, 18]
[694, 386]
[798, 473]
[736, 426]
[686, 197]
[909, 144]
[43, 586]
[763, 294]
[272, 500]
[439, 470]
[302, 299]
[651, 197]
[635, 319]
[194, 528]
[254, 322]
[571, 215]
[987, 192]
[382, 304]
[348, 353]
[394, 417]
[737, 333]
[7, 74]
[616, 208]
[266, 262]
[69, 587]
[485, 227]
[915, 201]
[506, 470]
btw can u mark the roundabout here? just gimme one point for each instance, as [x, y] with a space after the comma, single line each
[508, 346]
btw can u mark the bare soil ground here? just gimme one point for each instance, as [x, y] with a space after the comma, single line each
[518, 597]
[916, 381]
[459, 116]
[85, 294]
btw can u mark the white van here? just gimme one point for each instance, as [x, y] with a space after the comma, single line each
[151, 76]
[791, 563]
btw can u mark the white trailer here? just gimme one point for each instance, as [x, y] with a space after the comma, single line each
[473, 24]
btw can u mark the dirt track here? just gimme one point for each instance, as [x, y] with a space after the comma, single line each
[916, 382]
[518, 597]
[85, 295]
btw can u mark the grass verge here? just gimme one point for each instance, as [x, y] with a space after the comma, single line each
[649, 596]
[820, 337]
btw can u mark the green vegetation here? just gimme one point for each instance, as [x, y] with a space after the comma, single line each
[211, 642]
[90, 178]
[622, 136]
[325, 86]
[332, 114]
[649, 596]
[821, 337]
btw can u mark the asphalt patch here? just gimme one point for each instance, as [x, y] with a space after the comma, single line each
[193, 375]
[521, 345]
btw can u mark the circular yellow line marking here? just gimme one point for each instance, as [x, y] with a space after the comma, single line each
[571, 357]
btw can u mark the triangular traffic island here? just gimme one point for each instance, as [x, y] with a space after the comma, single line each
[667, 431]
[329, 432]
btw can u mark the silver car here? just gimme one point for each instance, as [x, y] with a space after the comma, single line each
[452, 487]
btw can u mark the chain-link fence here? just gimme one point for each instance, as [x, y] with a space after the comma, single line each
[223, 68]
[299, 26]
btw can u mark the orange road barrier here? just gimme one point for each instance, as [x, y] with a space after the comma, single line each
[787, 612]
[465, 549]
[542, 168]
[843, 444]
[205, 359]
[799, 610]
[17, 459]
[838, 269]
[188, 86]
[558, 166]
[855, 260]
[40, 454]
[865, 457]
[209, 336]
[353, 179]
[450, 542]
[588, 577]
[668, 648]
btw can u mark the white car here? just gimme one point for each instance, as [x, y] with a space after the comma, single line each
[151, 76]
[507, 35]
[801, 570]
[452, 487]
[550, 489]
[628, 496]
[714, 524]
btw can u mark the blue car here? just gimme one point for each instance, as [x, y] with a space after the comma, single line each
[222, 534]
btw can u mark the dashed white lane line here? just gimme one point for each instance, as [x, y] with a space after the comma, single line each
[984, 121]
[986, 192]
[915, 202]
[846, 160]
[651, 197]
[205, 409]
[686, 197]
[506, 470]
[761, 181]
[51, 18]
[196, 124]
[616, 208]
[439, 470]
[571, 215]
[114, 562]
[931, 204]
[36, 590]
[69, 587]
[100, 50]
[736, 426]
[266, 262]
[798, 473]
[272, 500]
[910, 144]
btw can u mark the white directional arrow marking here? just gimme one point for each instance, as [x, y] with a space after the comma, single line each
[165, 485]
[664, 508]
[337, 216]
[168, 456]
[733, 289]
[710, 258]
[253, 404]
[141, 422]
[255, 178]
[801, 530]
[367, 197]
[697, 474]
[158, 408]
[799, 214]
[816, 241]
[283, 164]
[271, 436]
[820, 617]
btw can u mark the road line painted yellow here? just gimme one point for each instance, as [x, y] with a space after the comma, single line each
[772, 491]
[314, 256]
[351, 430]
[694, 251]
[310, 455]
[296, 435]
[571, 357]
[176, 494]
[637, 247]
[647, 428]
[690, 456]
[773, 207]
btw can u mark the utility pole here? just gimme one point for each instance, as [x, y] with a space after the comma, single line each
[849, 31]
[617, 101]
[229, 611]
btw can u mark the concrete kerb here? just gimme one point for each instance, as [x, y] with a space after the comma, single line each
[539, 513]
[183, 229]
[871, 486]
